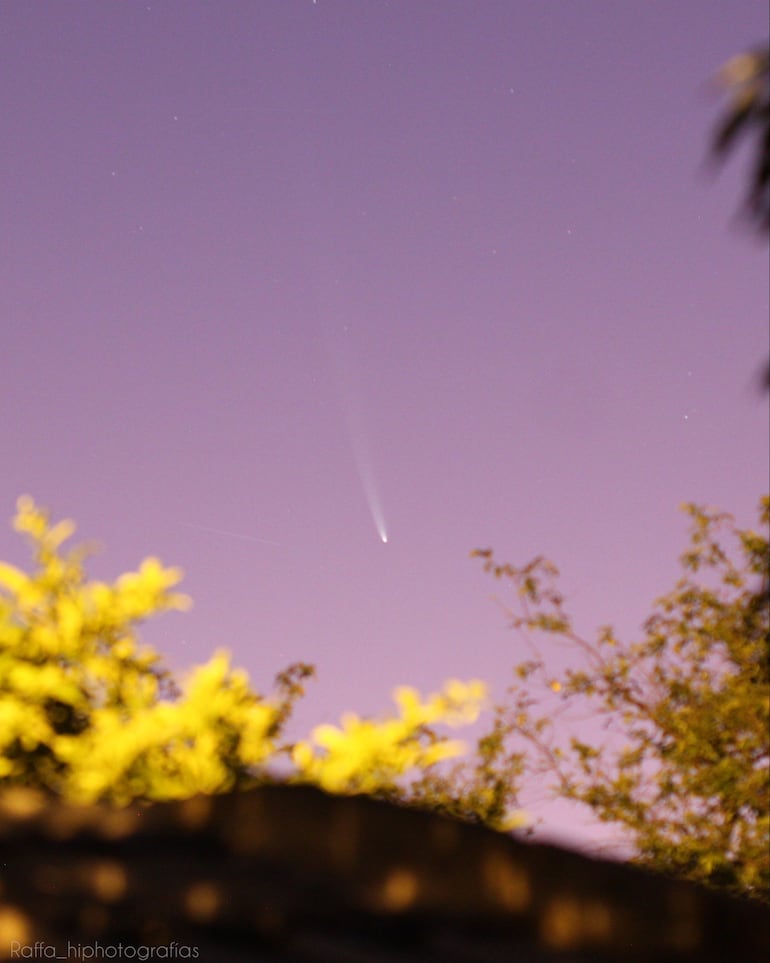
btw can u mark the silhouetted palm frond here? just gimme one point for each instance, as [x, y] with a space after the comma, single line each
[746, 79]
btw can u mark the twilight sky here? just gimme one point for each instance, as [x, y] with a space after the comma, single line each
[275, 274]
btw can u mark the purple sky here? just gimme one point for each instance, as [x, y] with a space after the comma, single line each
[264, 261]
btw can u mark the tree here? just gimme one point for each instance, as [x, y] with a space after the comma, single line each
[746, 79]
[682, 764]
[89, 713]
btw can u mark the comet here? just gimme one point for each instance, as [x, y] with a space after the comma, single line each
[351, 400]
[363, 462]
[338, 340]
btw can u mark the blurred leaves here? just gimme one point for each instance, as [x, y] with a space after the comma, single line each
[745, 79]
[89, 713]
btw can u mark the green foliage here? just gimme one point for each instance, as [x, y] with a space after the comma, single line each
[683, 767]
[89, 713]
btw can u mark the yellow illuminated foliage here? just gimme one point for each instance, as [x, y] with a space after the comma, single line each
[87, 712]
[368, 756]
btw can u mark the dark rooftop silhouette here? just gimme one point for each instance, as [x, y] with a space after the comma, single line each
[292, 874]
